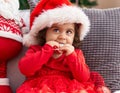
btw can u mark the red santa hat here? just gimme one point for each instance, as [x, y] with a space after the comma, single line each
[48, 12]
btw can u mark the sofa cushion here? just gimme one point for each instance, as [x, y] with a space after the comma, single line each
[101, 47]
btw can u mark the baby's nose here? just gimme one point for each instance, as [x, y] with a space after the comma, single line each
[62, 36]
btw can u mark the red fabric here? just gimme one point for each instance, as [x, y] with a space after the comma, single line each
[5, 89]
[97, 79]
[46, 5]
[68, 74]
[8, 49]
[10, 25]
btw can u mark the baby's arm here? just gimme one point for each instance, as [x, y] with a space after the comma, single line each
[34, 59]
[76, 62]
[78, 67]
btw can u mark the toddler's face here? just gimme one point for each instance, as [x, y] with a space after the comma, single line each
[61, 33]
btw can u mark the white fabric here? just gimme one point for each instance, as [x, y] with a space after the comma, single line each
[118, 91]
[25, 14]
[9, 10]
[11, 35]
[4, 81]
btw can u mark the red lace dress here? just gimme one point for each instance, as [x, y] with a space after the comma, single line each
[44, 74]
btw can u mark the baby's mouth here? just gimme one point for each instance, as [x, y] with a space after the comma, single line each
[61, 44]
[57, 50]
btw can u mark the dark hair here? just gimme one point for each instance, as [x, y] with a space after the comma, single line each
[41, 37]
[76, 42]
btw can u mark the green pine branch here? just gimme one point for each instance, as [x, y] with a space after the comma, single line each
[24, 4]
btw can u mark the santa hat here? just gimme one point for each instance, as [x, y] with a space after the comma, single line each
[48, 12]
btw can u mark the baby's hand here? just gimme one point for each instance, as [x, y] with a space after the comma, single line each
[67, 48]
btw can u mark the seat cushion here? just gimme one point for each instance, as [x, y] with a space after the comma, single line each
[101, 47]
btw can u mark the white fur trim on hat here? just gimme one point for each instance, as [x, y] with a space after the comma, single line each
[60, 15]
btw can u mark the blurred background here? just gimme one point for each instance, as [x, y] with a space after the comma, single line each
[98, 3]
[107, 3]
[101, 4]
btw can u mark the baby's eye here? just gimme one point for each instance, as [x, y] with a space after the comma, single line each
[69, 32]
[56, 30]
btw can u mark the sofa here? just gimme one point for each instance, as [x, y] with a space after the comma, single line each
[101, 48]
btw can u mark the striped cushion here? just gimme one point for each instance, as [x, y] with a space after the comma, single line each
[102, 45]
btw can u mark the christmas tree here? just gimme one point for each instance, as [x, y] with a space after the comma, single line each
[24, 4]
